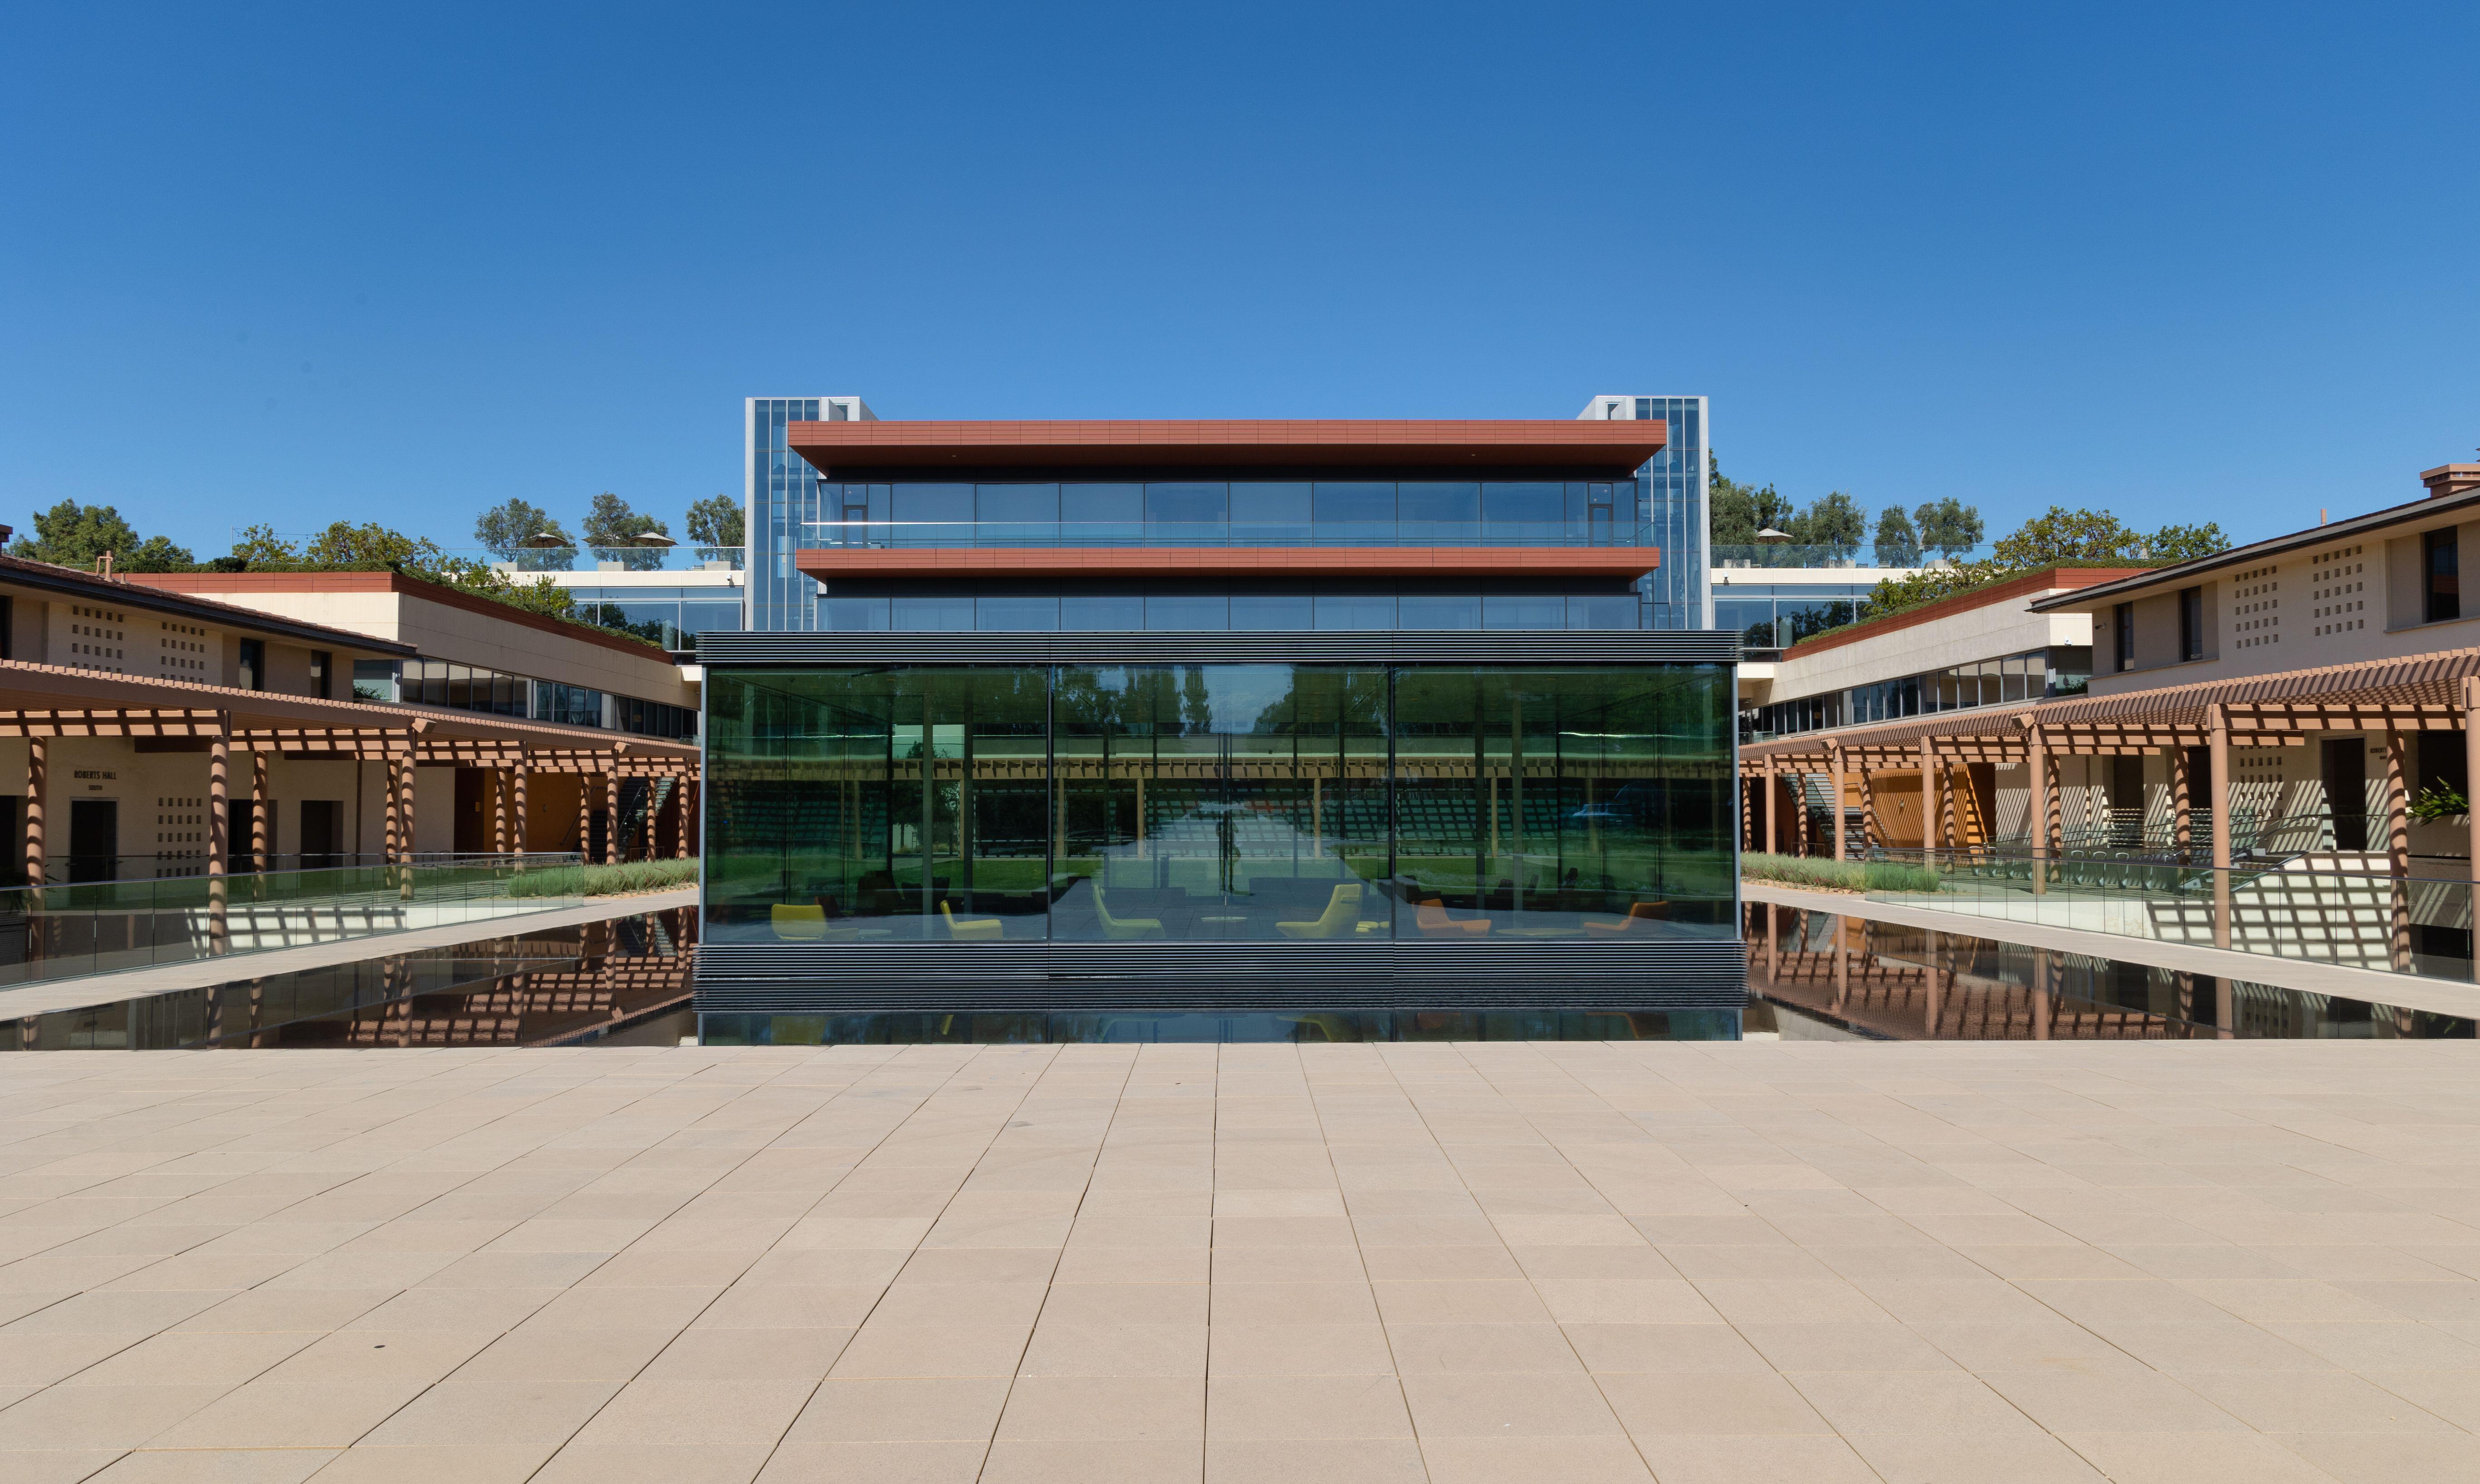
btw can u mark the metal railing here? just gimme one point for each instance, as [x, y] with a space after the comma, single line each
[59, 932]
[900, 534]
[625, 558]
[2291, 907]
[1792, 555]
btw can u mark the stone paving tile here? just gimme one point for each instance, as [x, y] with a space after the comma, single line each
[1498, 1261]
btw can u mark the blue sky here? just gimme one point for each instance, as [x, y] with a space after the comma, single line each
[294, 265]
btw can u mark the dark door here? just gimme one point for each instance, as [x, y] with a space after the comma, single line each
[2346, 792]
[95, 839]
[2125, 802]
[322, 833]
[473, 812]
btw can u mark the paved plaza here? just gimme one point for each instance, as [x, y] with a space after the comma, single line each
[1494, 1262]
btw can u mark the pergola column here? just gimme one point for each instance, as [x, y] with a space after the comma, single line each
[262, 827]
[1932, 801]
[1933, 1009]
[1800, 830]
[498, 811]
[2183, 812]
[1834, 762]
[219, 837]
[2217, 757]
[681, 815]
[517, 800]
[394, 849]
[38, 798]
[2472, 813]
[1842, 959]
[2398, 775]
[2045, 805]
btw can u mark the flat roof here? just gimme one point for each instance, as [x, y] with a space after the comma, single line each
[160, 592]
[832, 563]
[1589, 449]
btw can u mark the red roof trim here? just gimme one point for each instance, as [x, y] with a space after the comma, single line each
[2047, 579]
[1594, 446]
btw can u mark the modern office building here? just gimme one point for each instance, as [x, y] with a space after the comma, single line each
[1291, 718]
[1672, 504]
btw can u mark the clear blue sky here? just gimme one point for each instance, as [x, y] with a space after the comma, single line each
[398, 263]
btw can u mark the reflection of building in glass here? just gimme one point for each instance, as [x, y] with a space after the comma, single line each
[1089, 704]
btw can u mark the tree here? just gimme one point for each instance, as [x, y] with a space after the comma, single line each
[1736, 512]
[74, 535]
[508, 533]
[2061, 535]
[1948, 527]
[1898, 545]
[716, 522]
[369, 546]
[610, 523]
[2187, 543]
[1835, 522]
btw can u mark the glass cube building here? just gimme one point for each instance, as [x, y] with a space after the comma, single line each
[1242, 718]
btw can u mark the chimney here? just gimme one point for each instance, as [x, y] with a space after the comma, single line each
[2450, 479]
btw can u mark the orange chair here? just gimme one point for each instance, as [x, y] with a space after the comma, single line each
[1640, 915]
[1435, 923]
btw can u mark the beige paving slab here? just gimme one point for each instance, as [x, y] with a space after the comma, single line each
[1472, 1262]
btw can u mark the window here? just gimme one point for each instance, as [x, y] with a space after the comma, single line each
[2123, 625]
[323, 664]
[254, 665]
[374, 679]
[2440, 576]
[2192, 622]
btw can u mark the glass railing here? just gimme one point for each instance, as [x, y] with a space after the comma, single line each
[100, 927]
[2299, 907]
[1792, 555]
[901, 534]
[677, 558]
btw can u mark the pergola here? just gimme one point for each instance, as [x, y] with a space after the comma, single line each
[2434, 692]
[40, 703]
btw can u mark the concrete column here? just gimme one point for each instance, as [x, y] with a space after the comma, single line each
[218, 840]
[1835, 760]
[2217, 735]
[38, 801]
[2182, 811]
[2398, 778]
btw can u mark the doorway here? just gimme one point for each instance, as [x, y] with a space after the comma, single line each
[322, 833]
[95, 839]
[2346, 792]
[2126, 829]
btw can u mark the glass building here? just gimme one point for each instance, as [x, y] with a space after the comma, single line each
[1080, 718]
[1672, 495]
[782, 495]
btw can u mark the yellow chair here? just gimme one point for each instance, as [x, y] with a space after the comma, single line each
[1640, 915]
[971, 929]
[795, 924]
[1123, 926]
[1342, 910]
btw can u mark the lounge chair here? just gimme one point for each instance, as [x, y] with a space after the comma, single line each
[1123, 926]
[971, 929]
[799, 924]
[1640, 920]
[1342, 913]
[1435, 923]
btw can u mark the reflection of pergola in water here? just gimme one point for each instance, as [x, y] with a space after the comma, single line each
[1274, 793]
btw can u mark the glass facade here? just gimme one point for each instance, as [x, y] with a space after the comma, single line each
[2035, 674]
[782, 495]
[1770, 616]
[1230, 803]
[438, 683]
[1671, 506]
[1090, 607]
[672, 617]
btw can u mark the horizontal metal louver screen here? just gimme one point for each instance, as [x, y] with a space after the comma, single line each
[1450, 647]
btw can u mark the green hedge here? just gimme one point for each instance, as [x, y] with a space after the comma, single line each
[1848, 875]
[604, 881]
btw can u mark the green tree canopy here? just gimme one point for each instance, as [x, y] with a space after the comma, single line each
[2187, 543]
[1833, 520]
[610, 523]
[509, 529]
[716, 522]
[74, 535]
[1898, 544]
[1736, 512]
[2057, 537]
[1948, 527]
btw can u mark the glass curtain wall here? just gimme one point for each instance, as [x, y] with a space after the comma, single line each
[1219, 802]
